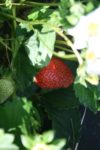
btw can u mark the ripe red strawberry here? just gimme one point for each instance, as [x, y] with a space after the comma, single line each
[55, 75]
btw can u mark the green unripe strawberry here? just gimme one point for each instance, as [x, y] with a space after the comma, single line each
[6, 89]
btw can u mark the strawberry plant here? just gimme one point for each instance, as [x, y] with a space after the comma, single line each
[49, 72]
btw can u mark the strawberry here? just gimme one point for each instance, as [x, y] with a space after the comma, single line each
[55, 75]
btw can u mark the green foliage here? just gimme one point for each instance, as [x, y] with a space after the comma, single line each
[24, 71]
[88, 96]
[40, 47]
[31, 32]
[61, 98]
[63, 109]
[19, 113]
[66, 124]
[39, 13]
[70, 12]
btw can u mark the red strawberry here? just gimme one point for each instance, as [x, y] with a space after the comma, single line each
[55, 75]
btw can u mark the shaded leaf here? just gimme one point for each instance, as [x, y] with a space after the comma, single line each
[66, 123]
[63, 109]
[19, 113]
[61, 98]
[24, 73]
[87, 96]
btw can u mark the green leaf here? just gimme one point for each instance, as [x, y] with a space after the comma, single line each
[19, 39]
[70, 12]
[61, 98]
[26, 26]
[87, 96]
[76, 11]
[63, 109]
[89, 7]
[55, 19]
[40, 47]
[6, 141]
[66, 124]
[19, 113]
[64, 11]
[38, 16]
[6, 89]
[97, 91]
[24, 73]
[39, 13]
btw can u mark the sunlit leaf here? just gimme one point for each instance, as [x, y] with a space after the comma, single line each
[87, 96]
[40, 47]
[39, 13]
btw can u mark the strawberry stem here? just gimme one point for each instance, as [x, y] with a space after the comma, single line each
[40, 4]
[69, 43]
[68, 57]
[63, 48]
[32, 4]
